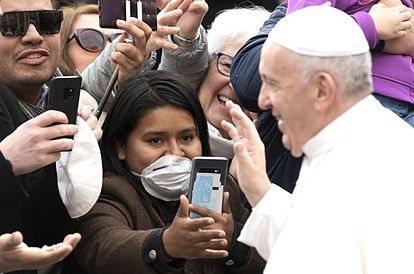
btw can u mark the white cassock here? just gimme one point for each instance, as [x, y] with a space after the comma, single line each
[352, 210]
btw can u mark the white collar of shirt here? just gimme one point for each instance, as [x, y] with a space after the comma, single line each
[335, 131]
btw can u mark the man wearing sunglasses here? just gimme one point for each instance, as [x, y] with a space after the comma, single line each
[30, 140]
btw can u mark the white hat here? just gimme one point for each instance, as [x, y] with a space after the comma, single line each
[321, 31]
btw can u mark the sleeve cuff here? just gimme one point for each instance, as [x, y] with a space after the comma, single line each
[154, 253]
[238, 253]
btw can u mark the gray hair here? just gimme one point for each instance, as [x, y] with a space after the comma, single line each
[352, 73]
[235, 25]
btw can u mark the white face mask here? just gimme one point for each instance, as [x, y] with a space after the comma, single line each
[167, 178]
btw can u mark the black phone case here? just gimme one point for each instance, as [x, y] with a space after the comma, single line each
[111, 10]
[64, 95]
[204, 164]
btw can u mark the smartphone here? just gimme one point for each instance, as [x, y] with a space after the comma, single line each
[207, 180]
[64, 95]
[111, 10]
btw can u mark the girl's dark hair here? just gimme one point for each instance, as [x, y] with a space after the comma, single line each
[138, 96]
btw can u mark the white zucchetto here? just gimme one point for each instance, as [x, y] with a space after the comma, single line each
[321, 31]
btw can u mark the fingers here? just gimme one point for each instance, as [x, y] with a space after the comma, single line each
[72, 239]
[226, 203]
[58, 131]
[86, 114]
[177, 4]
[406, 15]
[9, 241]
[48, 118]
[243, 124]
[183, 209]
[207, 213]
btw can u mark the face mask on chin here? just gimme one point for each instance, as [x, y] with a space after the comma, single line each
[167, 178]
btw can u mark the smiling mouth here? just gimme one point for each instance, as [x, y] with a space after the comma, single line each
[223, 99]
[34, 56]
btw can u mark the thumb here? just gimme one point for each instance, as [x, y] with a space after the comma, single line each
[184, 207]
[226, 203]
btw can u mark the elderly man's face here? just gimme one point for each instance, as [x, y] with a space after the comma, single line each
[29, 60]
[286, 95]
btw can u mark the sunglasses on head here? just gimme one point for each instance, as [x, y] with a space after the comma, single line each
[16, 23]
[92, 40]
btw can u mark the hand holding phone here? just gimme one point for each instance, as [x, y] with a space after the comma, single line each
[207, 180]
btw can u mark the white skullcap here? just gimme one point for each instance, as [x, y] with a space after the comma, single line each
[321, 31]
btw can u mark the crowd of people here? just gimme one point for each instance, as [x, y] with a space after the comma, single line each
[310, 102]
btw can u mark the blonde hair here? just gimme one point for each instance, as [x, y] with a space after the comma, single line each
[70, 14]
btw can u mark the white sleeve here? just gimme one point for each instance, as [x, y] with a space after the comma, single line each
[266, 221]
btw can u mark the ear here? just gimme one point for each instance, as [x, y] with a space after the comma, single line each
[327, 91]
[120, 151]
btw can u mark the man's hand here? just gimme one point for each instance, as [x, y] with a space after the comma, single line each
[249, 154]
[38, 142]
[16, 255]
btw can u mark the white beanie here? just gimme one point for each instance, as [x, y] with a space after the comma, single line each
[321, 31]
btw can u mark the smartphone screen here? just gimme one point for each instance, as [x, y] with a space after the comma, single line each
[207, 183]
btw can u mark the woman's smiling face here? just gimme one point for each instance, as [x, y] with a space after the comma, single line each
[216, 89]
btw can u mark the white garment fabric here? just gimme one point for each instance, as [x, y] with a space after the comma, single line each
[352, 209]
[80, 172]
[167, 178]
[220, 146]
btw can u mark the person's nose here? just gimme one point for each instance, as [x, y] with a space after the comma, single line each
[174, 148]
[263, 100]
[32, 36]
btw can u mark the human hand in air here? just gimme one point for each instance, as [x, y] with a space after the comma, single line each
[250, 166]
[16, 255]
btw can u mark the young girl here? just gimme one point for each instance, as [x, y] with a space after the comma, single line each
[141, 222]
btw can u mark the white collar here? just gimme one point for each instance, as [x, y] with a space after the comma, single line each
[335, 131]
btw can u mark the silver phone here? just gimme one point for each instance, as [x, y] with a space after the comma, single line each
[207, 181]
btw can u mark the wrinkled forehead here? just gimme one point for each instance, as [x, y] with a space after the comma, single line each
[25, 5]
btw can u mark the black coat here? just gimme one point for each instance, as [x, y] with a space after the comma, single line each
[282, 168]
[29, 203]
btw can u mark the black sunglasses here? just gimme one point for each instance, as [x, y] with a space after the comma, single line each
[92, 40]
[16, 23]
[223, 63]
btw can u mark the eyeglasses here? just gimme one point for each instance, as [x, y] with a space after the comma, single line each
[92, 40]
[223, 63]
[16, 23]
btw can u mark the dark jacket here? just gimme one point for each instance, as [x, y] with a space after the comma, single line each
[282, 167]
[29, 203]
[123, 227]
